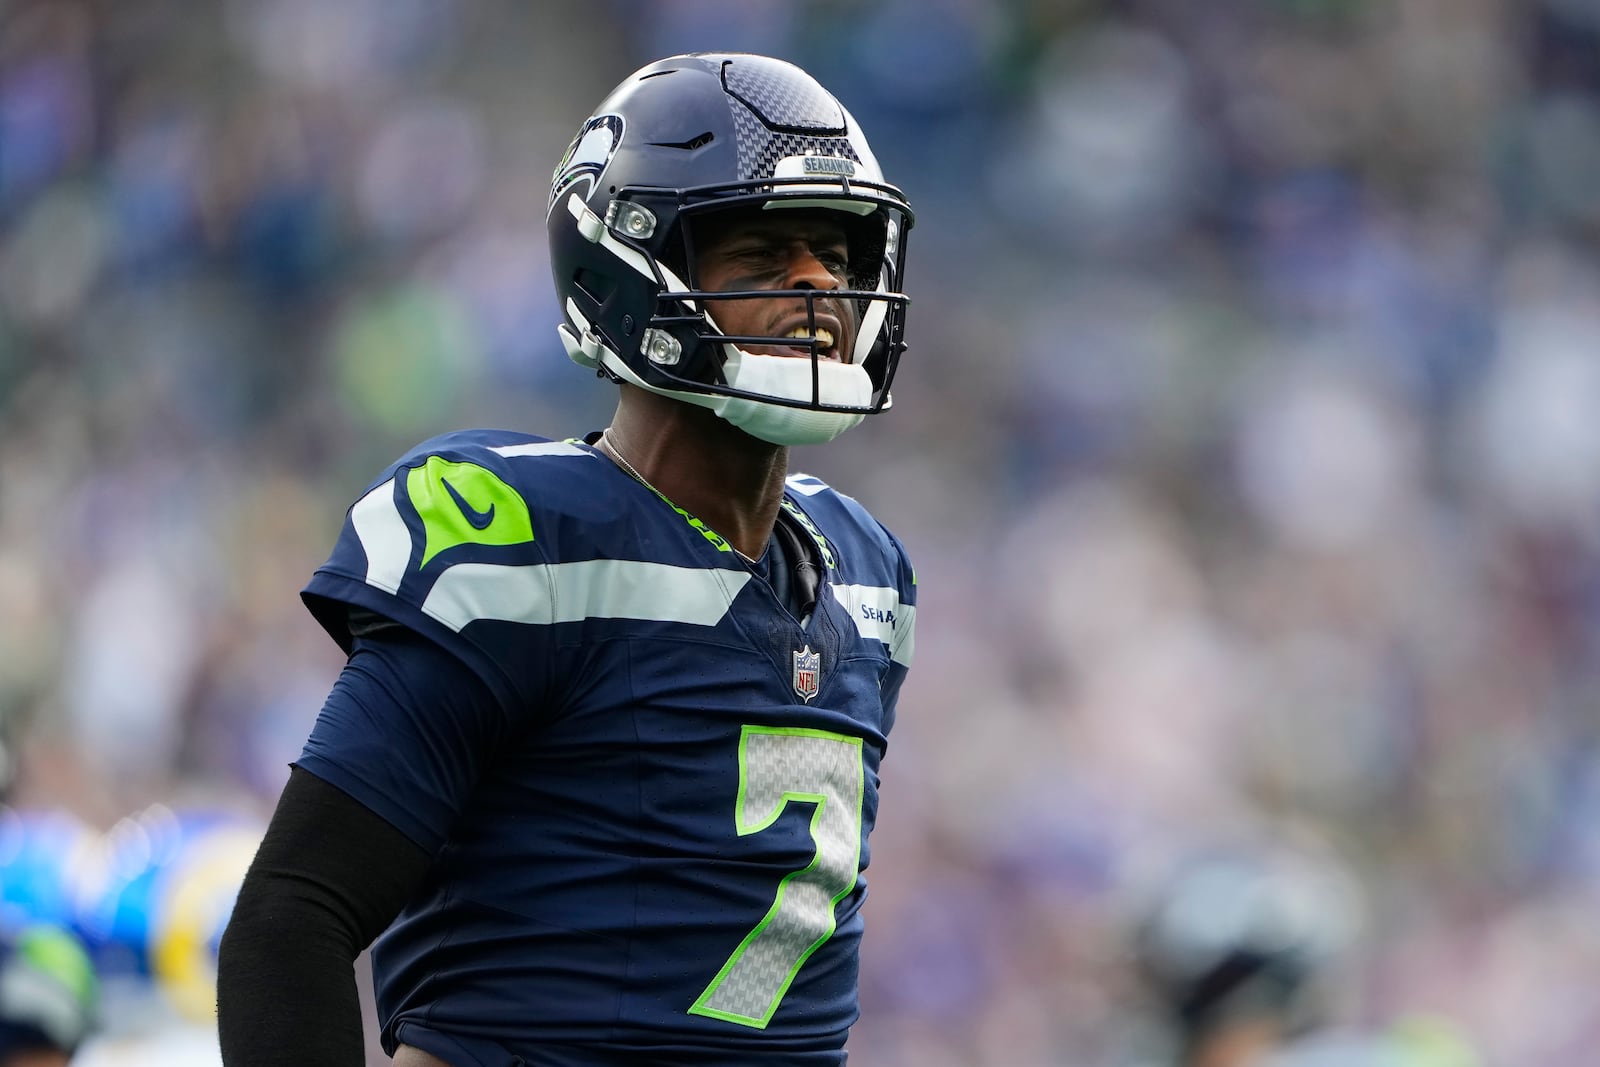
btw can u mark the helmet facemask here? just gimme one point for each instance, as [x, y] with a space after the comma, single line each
[861, 312]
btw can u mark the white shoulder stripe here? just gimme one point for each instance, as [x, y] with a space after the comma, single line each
[879, 614]
[592, 589]
[542, 448]
[383, 535]
[542, 593]
[805, 484]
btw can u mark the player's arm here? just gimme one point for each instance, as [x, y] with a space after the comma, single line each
[329, 877]
[331, 873]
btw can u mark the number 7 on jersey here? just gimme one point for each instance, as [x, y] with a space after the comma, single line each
[778, 766]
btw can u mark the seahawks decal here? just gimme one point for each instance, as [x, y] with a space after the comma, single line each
[588, 156]
[463, 503]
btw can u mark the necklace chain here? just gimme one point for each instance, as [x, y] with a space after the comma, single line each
[622, 461]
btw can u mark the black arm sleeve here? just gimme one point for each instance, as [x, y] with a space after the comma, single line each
[328, 878]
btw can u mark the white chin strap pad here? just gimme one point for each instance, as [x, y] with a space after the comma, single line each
[786, 376]
[838, 384]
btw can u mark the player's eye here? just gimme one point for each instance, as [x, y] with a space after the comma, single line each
[755, 254]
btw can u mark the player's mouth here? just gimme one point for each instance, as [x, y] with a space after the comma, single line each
[826, 336]
[824, 342]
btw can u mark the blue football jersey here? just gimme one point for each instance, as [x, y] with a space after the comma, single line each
[664, 857]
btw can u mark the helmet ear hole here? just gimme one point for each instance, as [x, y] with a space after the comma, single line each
[596, 286]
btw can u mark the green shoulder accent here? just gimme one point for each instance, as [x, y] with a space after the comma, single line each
[811, 528]
[718, 542]
[465, 504]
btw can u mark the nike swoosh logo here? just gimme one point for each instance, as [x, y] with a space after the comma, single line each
[480, 520]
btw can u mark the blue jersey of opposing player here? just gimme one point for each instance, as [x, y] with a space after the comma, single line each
[666, 850]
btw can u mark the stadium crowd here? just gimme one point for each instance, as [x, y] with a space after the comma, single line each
[1248, 447]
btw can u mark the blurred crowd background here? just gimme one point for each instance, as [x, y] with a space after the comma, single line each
[1248, 446]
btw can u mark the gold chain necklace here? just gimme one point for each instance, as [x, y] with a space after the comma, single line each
[622, 461]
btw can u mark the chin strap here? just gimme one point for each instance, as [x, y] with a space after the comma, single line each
[584, 350]
[839, 384]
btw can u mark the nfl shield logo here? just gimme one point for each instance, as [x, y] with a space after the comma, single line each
[807, 673]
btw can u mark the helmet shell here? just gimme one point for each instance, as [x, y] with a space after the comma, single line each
[706, 132]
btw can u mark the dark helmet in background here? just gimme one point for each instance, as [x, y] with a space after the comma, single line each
[1247, 936]
[712, 132]
[49, 992]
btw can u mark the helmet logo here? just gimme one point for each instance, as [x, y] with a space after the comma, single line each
[588, 156]
[832, 165]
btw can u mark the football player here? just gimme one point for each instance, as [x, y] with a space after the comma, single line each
[604, 759]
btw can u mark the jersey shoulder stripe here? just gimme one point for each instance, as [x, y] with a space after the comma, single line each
[536, 593]
[474, 536]
[843, 516]
[879, 590]
[880, 614]
[485, 526]
[553, 593]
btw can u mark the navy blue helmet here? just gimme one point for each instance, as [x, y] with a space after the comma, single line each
[710, 132]
[1247, 935]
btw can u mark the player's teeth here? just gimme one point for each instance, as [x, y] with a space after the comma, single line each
[822, 335]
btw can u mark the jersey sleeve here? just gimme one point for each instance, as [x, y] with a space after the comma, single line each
[446, 543]
[902, 646]
[407, 731]
[439, 589]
